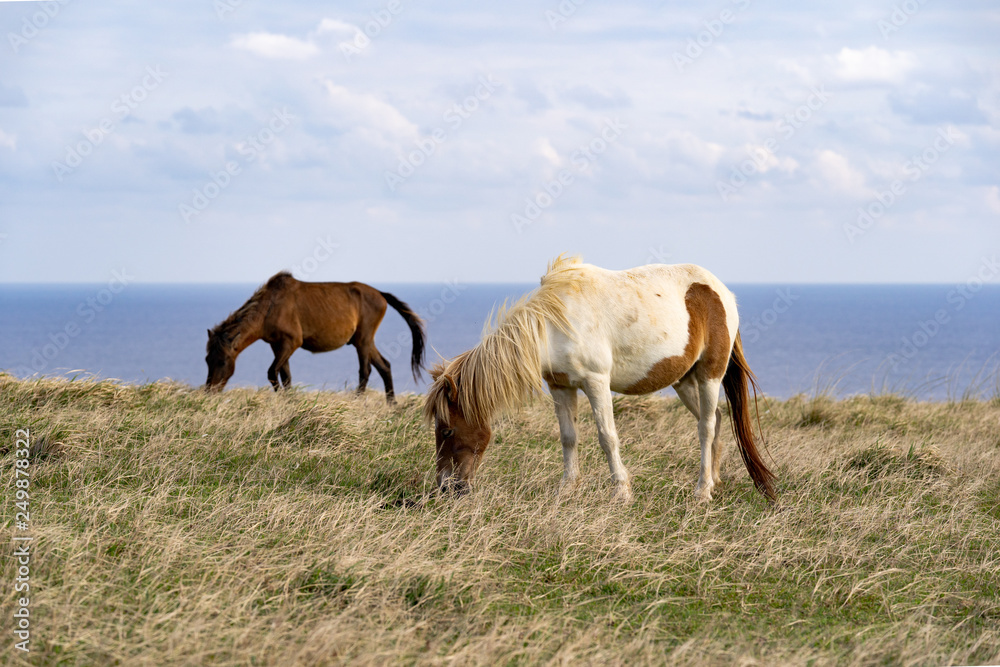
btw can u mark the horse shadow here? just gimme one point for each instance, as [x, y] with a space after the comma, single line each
[399, 491]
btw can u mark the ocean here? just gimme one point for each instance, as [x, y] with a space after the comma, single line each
[929, 342]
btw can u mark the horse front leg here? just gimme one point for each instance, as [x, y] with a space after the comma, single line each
[565, 403]
[283, 350]
[598, 390]
[364, 368]
[708, 435]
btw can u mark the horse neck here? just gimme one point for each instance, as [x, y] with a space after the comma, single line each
[245, 341]
[245, 332]
[501, 386]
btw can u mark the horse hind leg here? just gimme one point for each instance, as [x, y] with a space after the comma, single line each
[385, 372]
[708, 435]
[285, 374]
[688, 391]
[565, 404]
[717, 447]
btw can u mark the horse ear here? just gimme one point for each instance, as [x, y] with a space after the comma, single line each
[209, 332]
[452, 388]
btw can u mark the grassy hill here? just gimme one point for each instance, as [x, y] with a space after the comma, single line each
[174, 527]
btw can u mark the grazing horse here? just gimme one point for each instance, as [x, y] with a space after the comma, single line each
[588, 328]
[319, 317]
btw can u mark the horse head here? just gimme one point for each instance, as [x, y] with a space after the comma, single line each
[460, 441]
[221, 361]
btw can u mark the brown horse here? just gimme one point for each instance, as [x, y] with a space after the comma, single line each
[288, 314]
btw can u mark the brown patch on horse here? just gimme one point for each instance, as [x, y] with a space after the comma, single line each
[707, 343]
[556, 380]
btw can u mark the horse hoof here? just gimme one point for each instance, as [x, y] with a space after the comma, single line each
[569, 483]
[568, 487]
[623, 495]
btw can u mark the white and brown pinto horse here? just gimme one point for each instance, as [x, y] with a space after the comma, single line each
[601, 331]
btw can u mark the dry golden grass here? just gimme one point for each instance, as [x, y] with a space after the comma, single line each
[174, 527]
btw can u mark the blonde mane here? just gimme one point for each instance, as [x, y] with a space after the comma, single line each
[506, 367]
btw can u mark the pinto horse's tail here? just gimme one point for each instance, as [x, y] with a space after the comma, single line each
[416, 329]
[736, 383]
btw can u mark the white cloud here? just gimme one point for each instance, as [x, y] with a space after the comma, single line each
[271, 45]
[839, 175]
[275, 45]
[8, 140]
[546, 150]
[993, 198]
[873, 65]
[795, 67]
[766, 160]
[367, 111]
[694, 149]
[336, 27]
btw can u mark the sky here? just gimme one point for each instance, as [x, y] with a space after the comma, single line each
[396, 141]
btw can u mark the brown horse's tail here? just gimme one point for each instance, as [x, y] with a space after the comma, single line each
[416, 329]
[738, 377]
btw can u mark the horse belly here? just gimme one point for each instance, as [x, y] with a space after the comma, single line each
[322, 344]
[331, 338]
[658, 366]
[328, 320]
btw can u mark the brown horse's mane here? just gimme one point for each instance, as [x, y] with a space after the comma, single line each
[506, 367]
[251, 313]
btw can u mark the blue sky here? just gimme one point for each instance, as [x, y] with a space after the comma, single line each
[394, 141]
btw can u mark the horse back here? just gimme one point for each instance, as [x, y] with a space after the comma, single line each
[648, 327]
[325, 316]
